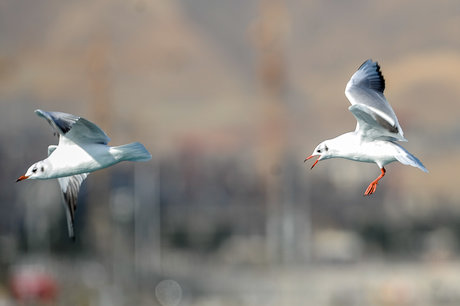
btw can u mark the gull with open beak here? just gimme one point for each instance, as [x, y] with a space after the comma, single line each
[377, 129]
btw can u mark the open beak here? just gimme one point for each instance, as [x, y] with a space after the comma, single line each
[21, 178]
[311, 156]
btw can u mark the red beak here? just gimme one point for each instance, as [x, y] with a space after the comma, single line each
[311, 156]
[21, 178]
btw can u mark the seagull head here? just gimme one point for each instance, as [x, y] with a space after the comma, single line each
[322, 150]
[36, 171]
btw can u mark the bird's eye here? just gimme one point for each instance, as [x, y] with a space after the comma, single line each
[318, 151]
[42, 169]
[34, 170]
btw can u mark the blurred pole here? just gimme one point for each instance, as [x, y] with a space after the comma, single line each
[122, 215]
[100, 105]
[269, 41]
[147, 218]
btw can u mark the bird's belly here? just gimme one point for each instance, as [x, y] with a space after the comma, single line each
[381, 152]
[71, 160]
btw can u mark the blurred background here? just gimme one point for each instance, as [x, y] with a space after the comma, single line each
[230, 97]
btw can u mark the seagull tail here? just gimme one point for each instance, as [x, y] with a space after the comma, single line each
[408, 159]
[132, 152]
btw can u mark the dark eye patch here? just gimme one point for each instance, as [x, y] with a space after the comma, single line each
[327, 149]
[42, 169]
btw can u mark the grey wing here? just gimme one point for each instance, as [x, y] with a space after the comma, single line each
[61, 122]
[372, 126]
[70, 185]
[365, 93]
[74, 128]
[51, 149]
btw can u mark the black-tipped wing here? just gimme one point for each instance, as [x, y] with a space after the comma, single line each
[61, 122]
[369, 76]
[376, 118]
[70, 185]
[73, 128]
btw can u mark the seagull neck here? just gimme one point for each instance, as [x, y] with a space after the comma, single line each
[344, 145]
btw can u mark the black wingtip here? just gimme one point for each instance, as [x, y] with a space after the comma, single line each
[366, 62]
[375, 76]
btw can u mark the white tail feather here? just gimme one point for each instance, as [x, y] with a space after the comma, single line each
[408, 159]
[132, 152]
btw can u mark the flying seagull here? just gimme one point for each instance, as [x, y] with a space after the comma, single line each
[82, 149]
[377, 129]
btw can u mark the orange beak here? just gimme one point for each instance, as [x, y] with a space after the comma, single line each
[21, 178]
[311, 156]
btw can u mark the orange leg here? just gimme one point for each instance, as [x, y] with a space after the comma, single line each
[373, 186]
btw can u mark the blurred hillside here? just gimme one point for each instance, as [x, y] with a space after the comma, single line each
[191, 67]
[230, 97]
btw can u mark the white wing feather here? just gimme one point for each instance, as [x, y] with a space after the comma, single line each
[375, 117]
[70, 186]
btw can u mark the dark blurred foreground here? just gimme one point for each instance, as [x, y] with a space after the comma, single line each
[197, 229]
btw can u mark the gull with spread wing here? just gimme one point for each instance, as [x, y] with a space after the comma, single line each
[82, 148]
[377, 129]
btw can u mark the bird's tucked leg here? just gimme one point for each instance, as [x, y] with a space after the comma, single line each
[373, 185]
